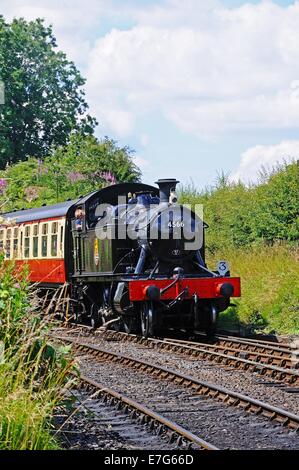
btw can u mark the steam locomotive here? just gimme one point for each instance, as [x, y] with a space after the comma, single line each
[128, 255]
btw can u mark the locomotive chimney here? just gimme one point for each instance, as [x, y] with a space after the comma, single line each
[165, 187]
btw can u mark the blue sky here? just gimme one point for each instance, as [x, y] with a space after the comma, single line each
[195, 87]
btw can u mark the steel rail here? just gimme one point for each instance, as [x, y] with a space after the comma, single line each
[141, 413]
[201, 387]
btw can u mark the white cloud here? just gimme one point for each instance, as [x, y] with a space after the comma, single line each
[140, 162]
[72, 21]
[119, 120]
[264, 155]
[207, 68]
[144, 140]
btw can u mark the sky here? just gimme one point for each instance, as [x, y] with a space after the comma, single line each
[195, 87]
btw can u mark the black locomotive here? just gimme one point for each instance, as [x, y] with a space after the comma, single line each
[140, 261]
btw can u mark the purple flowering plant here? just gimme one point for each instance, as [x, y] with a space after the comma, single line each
[74, 176]
[3, 185]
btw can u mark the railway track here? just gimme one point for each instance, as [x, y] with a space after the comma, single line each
[202, 388]
[251, 359]
[279, 349]
[141, 414]
[267, 355]
[248, 360]
[256, 341]
[284, 350]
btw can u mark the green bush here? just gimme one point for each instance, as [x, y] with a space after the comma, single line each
[32, 371]
[244, 216]
[83, 166]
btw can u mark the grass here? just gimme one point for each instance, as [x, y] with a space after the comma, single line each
[32, 371]
[270, 287]
[30, 390]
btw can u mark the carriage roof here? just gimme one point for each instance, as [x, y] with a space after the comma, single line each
[108, 194]
[39, 213]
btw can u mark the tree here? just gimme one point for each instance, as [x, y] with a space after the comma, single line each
[44, 101]
[82, 166]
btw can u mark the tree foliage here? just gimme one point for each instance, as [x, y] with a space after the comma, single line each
[242, 216]
[44, 100]
[82, 166]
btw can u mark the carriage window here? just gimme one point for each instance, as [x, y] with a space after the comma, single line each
[35, 247]
[15, 241]
[1, 239]
[26, 247]
[61, 240]
[27, 241]
[35, 241]
[45, 240]
[54, 245]
[21, 242]
[54, 239]
[44, 246]
[8, 242]
[54, 227]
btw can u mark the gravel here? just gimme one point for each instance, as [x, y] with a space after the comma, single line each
[99, 426]
[224, 426]
[245, 382]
